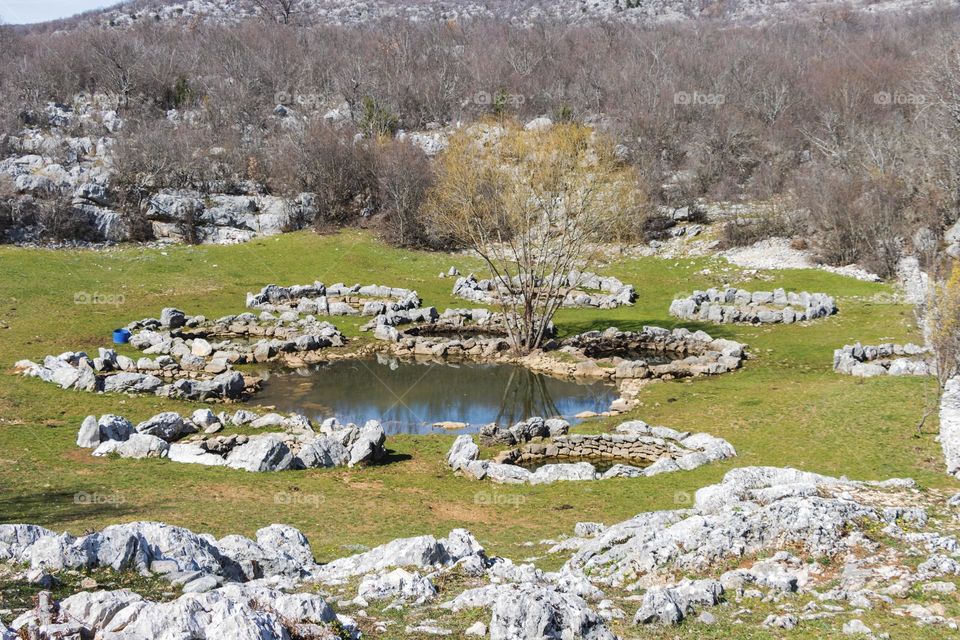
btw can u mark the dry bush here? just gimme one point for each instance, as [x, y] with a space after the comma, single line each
[157, 155]
[765, 222]
[403, 177]
[656, 226]
[9, 203]
[791, 101]
[856, 219]
[329, 163]
[58, 220]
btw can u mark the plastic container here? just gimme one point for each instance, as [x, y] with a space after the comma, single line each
[121, 336]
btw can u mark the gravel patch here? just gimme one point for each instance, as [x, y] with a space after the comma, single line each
[776, 253]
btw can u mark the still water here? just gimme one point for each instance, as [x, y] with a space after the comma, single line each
[409, 396]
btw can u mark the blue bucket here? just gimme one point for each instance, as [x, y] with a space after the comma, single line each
[121, 336]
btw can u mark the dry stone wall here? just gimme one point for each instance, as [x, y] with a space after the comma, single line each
[731, 305]
[867, 361]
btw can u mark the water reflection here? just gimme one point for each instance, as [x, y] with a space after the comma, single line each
[410, 396]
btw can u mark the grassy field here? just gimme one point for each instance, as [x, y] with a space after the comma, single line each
[786, 407]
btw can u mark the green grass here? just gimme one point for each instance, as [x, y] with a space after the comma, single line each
[786, 407]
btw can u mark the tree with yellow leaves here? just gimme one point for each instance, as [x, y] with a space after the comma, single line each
[943, 326]
[534, 205]
[940, 320]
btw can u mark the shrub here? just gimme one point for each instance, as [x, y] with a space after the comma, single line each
[331, 164]
[790, 102]
[9, 200]
[856, 219]
[58, 220]
[375, 120]
[403, 176]
[531, 204]
[765, 222]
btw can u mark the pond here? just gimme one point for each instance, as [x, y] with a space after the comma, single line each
[410, 397]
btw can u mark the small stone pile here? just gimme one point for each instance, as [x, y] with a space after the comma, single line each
[581, 290]
[535, 428]
[169, 435]
[662, 449]
[732, 305]
[867, 361]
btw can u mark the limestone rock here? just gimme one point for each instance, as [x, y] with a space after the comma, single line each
[168, 426]
[323, 452]
[262, 453]
[89, 434]
[398, 583]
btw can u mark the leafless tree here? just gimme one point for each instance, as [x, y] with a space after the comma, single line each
[282, 11]
[533, 205]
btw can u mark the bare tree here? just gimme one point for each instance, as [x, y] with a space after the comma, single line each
[532, 204]
[119, 59]
[281, 11]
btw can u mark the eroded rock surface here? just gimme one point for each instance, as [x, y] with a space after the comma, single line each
[886, 542]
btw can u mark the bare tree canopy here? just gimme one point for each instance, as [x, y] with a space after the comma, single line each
[282, 11]
[532, 204]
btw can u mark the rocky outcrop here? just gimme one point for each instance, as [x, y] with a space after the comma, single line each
[815, 550]
[754, 509]
[182, 215]
[234, 611]
[65, 154]
[866, 361]
[579, 290]
[177, 554]
[217, 578]
[732, 305]
[914, 282]
[232, 587]
[657, 449]
[529, 610]
[421, 552]
[397, 584]
[670, 605]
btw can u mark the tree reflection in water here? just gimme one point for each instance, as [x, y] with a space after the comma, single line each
[410, 396]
